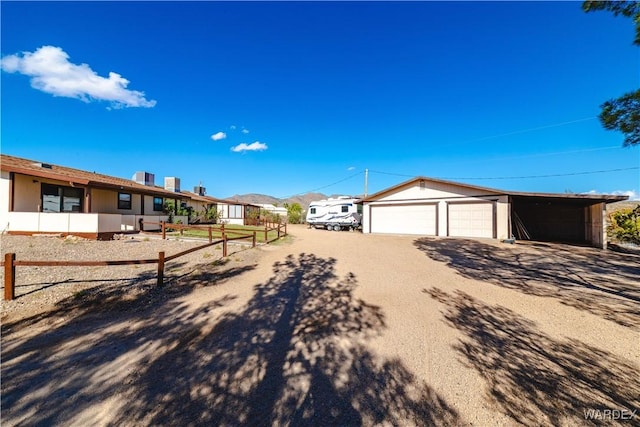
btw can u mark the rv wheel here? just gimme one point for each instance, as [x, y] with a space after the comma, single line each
[329, 227]
[337, 228]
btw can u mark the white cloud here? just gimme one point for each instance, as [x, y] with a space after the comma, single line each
[255, 146]
[245, 131]
[633, 194]
[51, 72]
[351, 168]
[218, 136]
[232, 127]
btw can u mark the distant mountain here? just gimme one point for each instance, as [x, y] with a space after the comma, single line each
[302, 199]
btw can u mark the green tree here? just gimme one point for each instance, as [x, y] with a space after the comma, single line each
[624, 225]
[623, 113]
[294, 213]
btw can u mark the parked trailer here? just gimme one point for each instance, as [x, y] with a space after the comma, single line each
[335, 213]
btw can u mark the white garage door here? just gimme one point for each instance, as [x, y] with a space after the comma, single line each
[471, 219]
[404, 219]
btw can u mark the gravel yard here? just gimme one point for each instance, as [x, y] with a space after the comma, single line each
[325, 328]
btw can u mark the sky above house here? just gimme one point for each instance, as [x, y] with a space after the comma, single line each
[283, 98]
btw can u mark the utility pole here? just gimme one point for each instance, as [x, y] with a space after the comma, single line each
[366, 181]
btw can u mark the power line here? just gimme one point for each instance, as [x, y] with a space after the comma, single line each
[553, 175]
[325, 186]
[517, 132]
[518, 177]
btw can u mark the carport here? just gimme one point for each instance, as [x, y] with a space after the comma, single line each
[435, 207]
[571, 218]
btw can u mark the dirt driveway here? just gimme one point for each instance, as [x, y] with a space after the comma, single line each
[335, 329]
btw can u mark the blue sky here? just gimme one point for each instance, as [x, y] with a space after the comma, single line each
[283, 98]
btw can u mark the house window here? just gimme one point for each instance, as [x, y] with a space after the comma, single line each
[56, 198]
[124, 200]
[235, 211]
[345, 208]
[158, 204]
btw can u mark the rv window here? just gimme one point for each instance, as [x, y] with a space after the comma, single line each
[313, 210]
[345, 208]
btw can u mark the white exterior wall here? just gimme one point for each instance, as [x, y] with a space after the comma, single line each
[4, 200]
[440, 194]
[224, 217]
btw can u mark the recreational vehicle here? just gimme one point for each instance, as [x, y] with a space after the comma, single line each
[335, 213]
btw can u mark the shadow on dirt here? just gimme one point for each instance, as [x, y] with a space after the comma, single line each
[535, 379]
[295, 354]
[603, 283]
[76, 358]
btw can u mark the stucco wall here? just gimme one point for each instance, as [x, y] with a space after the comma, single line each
[26, 193]
[106, 201]
[441, 194]
[4, 200]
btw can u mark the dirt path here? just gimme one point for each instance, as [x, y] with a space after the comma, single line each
[340, 329]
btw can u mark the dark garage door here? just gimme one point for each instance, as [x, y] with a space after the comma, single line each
[548, 219]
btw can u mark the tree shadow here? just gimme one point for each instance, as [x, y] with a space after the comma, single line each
[534, 378]
[295, 354]
[75, 359]
[603, 283]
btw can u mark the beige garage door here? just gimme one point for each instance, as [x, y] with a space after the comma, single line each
[404, 219]
[471, 219]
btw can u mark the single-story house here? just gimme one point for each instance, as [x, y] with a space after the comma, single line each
[238, 213]
[198, 203]
[37, 198]
[435, 207]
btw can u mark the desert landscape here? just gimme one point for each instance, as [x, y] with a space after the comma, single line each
[323, 328]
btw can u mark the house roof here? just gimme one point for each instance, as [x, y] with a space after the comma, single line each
[199, 198]
[607, 198]
[80, 177]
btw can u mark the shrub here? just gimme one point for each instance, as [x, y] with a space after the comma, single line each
[624, 225]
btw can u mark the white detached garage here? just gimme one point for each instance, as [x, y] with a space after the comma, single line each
[432, 207]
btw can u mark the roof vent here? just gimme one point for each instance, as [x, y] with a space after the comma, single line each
[144, 178]
[43, 165]
[172, 184]
[199, 190]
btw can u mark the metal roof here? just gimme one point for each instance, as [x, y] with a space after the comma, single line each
[607, 198]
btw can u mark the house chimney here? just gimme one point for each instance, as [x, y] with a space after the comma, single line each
[172, 184]
[144, 178]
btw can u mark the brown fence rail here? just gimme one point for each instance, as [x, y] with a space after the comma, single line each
[10, 263]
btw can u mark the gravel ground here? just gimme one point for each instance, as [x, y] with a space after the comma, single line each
[324, 329]
[62, 282]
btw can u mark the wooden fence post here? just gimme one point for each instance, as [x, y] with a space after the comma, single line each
[285, 228]
[160, 268]
[278, 231]
[141, 224]
[265, 232]
[210, 235]
[9, 276]
[224, 244]
[164, 230]
[253, 244]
